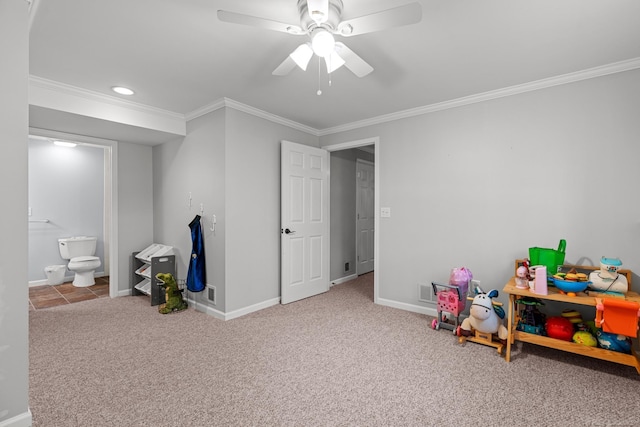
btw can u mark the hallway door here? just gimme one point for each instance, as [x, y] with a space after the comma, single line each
[365, 216]
[304, 223]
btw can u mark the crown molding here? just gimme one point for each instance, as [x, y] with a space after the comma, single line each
[33, 9]
[616, 67]
[206, 109]
[230, 103]
[66, 89]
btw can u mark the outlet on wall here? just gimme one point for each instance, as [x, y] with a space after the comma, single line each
[346, 266]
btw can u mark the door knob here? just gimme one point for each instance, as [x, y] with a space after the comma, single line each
[287, 231]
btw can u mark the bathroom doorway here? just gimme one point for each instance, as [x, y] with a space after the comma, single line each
[85, 200]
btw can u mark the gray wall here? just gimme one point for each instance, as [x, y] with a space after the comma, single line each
[194, 165]
[66, 186]
[230, 162]
[253, 206]
[14, 333]
[476, 186]
[343, 210]
[135, 206]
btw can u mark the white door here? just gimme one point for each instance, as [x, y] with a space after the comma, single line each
[365, 190]
[304, 221]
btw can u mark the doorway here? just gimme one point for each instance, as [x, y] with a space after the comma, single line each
[374, 143]
[109, 226]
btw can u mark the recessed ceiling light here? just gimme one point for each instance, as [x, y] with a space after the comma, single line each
[64, 143]
[122, 90]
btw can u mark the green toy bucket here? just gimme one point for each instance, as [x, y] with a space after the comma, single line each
[550, 258]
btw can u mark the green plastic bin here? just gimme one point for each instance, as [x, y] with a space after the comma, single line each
[550, 258]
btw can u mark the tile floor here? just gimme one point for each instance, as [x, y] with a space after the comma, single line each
[47, 296]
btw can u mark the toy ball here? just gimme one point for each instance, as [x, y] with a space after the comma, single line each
[585, 338]
[614, 342]
[560, 328]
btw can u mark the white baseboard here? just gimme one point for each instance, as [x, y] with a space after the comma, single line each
[343, 279]
[23, 420]
[429, 311]
[66, 279]
[35, 283]
[233, 314]
[206, 309]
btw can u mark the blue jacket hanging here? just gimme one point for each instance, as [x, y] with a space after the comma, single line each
[197, 275]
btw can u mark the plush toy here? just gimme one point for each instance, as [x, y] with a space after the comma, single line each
[485, 317]
[173, 295]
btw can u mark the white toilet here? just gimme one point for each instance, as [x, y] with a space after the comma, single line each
[79, 251]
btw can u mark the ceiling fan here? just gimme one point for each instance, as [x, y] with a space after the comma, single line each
[321, 20]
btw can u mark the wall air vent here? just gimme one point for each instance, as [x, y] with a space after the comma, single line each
[211, 294]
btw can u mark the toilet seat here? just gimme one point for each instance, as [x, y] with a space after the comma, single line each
[84, 259]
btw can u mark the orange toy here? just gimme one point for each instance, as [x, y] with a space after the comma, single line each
[618, 316]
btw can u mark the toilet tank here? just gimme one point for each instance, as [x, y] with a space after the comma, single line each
[71, 247]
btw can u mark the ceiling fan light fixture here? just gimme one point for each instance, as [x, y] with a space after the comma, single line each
[323, 43]
[302, 55]
[318, 10]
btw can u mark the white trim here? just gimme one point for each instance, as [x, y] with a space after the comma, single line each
[206, 109]
[343, 279]
[376, 171]
[230, 103]
[24, 419]
[176, 123]
[122, 293]
[616, 67]
[33, 9]
[232, 314]
[62, 97]
[429, 311]
[39, 82]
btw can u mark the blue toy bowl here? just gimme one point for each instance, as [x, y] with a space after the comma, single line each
[568, 286]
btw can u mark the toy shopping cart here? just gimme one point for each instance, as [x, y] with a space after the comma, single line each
[450, 300]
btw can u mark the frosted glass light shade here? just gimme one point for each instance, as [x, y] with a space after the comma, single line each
[302, 55]
[323, 43]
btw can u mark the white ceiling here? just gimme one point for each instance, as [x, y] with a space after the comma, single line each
[179, 57]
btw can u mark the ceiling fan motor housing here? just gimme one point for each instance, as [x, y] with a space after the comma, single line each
[334, 18]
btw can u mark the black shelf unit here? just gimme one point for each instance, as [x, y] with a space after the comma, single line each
[143, 276]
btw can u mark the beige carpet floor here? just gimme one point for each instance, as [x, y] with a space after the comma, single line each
[336, 359]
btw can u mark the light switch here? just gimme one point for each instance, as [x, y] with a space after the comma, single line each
[385, 212]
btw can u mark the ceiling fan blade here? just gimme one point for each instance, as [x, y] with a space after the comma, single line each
[402, 15]
[352, 61]
[239, 18]
[285, 67]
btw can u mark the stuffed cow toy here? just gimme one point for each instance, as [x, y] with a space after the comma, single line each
[485, 317]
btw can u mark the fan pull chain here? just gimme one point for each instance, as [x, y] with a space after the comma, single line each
[319, 92]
